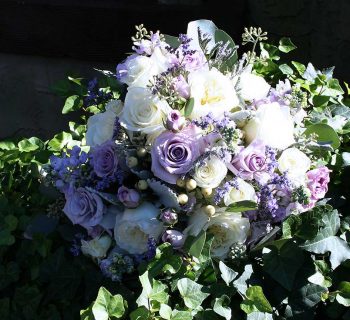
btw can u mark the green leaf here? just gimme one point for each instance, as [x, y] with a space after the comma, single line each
[31, 144]
[256, 315]
[221, 35]
[286, 69]
[306, 297]
[72, 103]
[140, 313]
[299, 67]
[325, 134]
[320, 101]
[255, 301]
[11, 222]
[241, 283]
[59, 141]
[172, 41]
[221, 307]
[286, 45]
[165, 311]
[107, 306]
[282, 264]
[181, 315]
[189, 107]
[242, 206]
[87, 314]
[269, 50]
[191, 293]
[343, 295]
[6, 238]
[227, 274]
[196, 246]
[7, 145]
[326, 241]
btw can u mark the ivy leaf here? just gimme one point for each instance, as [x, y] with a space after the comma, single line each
[60, 140]
[31, 144]
[286, 69]
[242, 206]
[255, 301]
[257, 315]
[181, 315]
[282, 264]
[286, 45]
[194, 245]
[343, 295]
[191, 293]
[305, 297]
[299, 67]
[227, 274]
[165, 311]
[326, 241]
[221, 307]
[241, 283]
[87, 314]
[72, 103]
[140, 313]
[189, 107]
[107, 305]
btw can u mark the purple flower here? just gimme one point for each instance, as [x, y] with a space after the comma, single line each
[173, 154]
[181, 87]
[129, 197]
[83, 207]
[175, 121]
[194, 61]
[168, 217]
[175, 238]
[250, 162]
[318, 180]
[104, 159]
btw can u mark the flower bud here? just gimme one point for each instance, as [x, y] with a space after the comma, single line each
[209, 210]
[175, 238]
[175, 121]
[180, 183]
[191, 184]
[142, 185]
[132, 162]
[141, 152]
[168, 217]
[207, 192]
[129, 197]
[181, 87]
[182, 198]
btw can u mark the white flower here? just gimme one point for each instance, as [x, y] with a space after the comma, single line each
[97, 247]
[245, 191]
[143, 112]
[228, 229]
[210, 172]
[100, 126]
[252, 87]
[273, 125]
[295, 163]
[135, 226]
[138, 70]
[212, 92]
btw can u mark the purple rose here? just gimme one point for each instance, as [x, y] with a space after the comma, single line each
[175, 238]
[181, 87]
[84, 207]
[318, 180]
[129, 197]
[175, 121]
[173, 154]
[194, 61]
[251, 161]
[104, 159]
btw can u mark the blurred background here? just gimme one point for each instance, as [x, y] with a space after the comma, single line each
[44, 41]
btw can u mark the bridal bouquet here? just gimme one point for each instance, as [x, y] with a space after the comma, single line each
[194, 158]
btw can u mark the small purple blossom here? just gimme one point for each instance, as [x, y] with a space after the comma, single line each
[222, 191]
[174, 237]
[169, 217]
[129, 197]
[175, 121]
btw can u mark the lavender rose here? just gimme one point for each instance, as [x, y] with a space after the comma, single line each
[84, 208]
[104, 159]
[174, 153]
[250, 162]
[318, 180]
[129, 197]
[181, 87]
[175, 121]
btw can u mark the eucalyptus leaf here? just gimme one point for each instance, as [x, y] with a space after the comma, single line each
[189, 107]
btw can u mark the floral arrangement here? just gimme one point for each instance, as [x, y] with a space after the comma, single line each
[194, 159]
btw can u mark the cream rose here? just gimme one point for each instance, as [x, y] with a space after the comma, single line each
[228, 229]
[210, 172]
[212, 92]
[251, 87]
[138, 70]
[143, 112]
[97, 247]
[245, 191]
[135, 226]
[295, 163]
[273, 125]
[100, 126]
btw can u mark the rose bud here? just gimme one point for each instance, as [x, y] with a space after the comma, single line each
[129, 197]
[168, 217]
[181, 87]
[175, 121]
[175, 238]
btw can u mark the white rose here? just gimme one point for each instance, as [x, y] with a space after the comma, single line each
[135, 226]
[295, 163]
[143, 112]
[97, 247]
[100, 126]
[138, 70]
[210, 172]
[212, 92]
[245, 191]
[228, 229]
[273, 125]
[252, 87]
